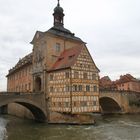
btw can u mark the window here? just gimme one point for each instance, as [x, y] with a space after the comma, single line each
[87, 88]
[83, 103]
[71, 56]
[67, 74]
[80, 87]
[16, 88]
[51, 76]
[26, 87]
[95, 88]
[22, 87]
[76, 74]
[19, 75]
[85, 75]
[53, 104]
[26, 71]
[59, 104]
[75, 88]
[23, 73]
[29, 86]
[93, 76]
[66, 104]
[88, 66]
[74, 104]
[57, 47]
[61, 58]
[51, 89]
[19, 88]
[94, 103]
[67, 88]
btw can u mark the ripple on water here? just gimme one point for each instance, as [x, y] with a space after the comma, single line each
[129, 124]
[3, 132]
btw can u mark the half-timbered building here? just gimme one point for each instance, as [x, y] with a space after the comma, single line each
[61, 67]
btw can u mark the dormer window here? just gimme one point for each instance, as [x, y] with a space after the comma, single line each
[61, 58]
[71, 56]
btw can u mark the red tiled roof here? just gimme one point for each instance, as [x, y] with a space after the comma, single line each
[67, 58]
[106, 83]
[105, 79]
[126, 78]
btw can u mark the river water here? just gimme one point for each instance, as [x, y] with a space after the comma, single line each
[111, 127]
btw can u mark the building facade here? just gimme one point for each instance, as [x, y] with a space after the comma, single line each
[61, 67]
[19, 78]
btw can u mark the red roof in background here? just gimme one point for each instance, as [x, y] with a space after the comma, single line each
[67, 58]
[105, 79]
[126, 78]
[106, 83]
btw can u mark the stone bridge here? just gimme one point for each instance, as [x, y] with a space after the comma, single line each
[119, 101]
[35, 102]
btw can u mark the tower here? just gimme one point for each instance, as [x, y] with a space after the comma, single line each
[58, 15]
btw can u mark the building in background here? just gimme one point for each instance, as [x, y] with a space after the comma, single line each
[125, 82]
[105, 83]
[128, 83]
[61, 67]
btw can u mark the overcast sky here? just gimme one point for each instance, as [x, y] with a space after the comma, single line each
[111, 29]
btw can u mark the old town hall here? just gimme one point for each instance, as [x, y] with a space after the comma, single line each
[61, 67]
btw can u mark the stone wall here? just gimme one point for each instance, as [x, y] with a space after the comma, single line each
[54, 117]
[61, 118]
[134, 103]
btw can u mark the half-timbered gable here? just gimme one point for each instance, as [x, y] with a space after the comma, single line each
[73, 82]
[85, 90]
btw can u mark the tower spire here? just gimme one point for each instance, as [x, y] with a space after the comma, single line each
[58, 3]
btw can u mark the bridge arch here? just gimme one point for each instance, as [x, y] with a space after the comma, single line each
[38, 113]
[109, 105]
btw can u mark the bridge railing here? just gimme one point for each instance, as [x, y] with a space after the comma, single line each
[21, 93]
[118, 91]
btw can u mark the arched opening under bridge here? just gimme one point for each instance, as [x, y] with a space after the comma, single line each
[38, 113]
[109, 105]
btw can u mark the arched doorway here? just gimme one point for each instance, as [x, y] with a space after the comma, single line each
[109, 105]
[38, 84]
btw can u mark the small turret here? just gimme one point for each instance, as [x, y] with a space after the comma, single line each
[58, 15]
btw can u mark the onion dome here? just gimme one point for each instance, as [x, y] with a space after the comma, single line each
[58, 9]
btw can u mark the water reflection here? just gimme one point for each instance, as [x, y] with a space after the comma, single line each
[117, 127]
